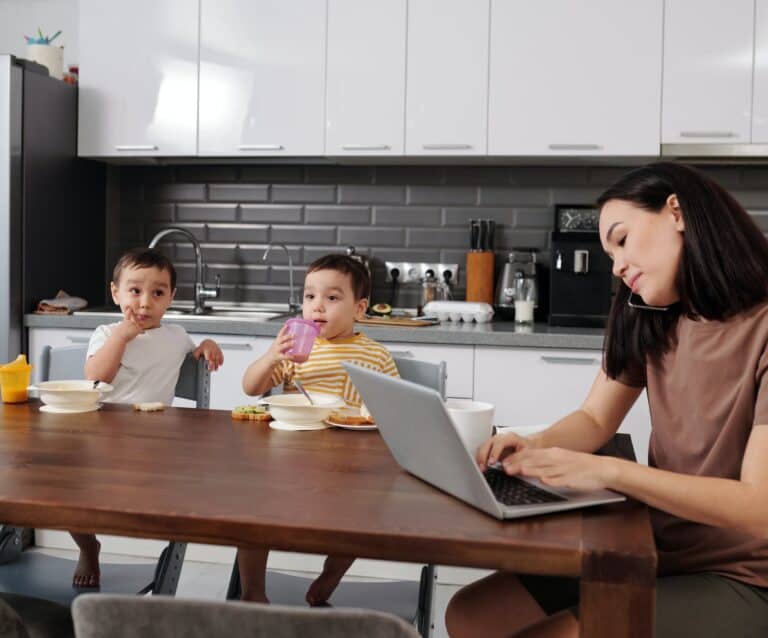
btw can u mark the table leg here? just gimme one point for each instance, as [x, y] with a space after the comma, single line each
[619, 610]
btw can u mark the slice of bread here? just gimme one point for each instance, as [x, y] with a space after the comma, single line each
[149, 406]
[251, 413]
[345, 418]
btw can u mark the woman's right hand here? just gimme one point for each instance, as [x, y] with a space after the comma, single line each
[498, 447]
[280, 346]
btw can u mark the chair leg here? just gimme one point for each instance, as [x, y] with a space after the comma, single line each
[426, 595]
[168, 569]
[234, 590]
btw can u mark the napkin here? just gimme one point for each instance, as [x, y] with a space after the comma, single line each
[63, 303]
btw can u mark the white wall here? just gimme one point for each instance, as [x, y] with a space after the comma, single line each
[22, 17]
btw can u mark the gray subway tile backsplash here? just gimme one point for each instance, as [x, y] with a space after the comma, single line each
[391, 213]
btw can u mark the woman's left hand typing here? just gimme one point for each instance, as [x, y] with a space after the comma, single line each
[562, 468]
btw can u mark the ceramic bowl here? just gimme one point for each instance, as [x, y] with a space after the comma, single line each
[70, 394]
[294, 409]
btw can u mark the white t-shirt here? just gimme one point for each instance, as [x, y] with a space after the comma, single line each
[150, 366]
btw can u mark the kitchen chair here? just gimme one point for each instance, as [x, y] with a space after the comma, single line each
[108, 616]
[409, 600]
[28, 617]
[49, 577]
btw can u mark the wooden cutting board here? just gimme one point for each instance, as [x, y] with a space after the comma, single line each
[396, 321]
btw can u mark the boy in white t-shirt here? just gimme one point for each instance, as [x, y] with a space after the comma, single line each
[139, 356]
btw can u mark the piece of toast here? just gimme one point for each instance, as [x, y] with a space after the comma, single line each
[346, 418]
[251, 413]
[149, 406]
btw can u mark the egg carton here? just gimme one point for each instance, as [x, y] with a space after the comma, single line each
[466, 311]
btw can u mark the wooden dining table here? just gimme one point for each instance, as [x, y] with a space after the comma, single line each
[199, 476]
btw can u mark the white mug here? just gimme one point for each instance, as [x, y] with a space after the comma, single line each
[473, 421]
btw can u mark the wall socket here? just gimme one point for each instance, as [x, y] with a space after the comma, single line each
[414, 272]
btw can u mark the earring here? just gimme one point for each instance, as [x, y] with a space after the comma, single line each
[643, 306]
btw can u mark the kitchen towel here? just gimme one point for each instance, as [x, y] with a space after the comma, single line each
[62, 304]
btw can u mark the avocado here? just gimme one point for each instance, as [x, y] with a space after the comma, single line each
[381, 309]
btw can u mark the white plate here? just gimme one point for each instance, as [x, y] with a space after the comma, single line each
[282, 425]
[55, 410]
[347, 426]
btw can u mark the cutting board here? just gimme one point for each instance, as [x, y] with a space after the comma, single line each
[396, 321]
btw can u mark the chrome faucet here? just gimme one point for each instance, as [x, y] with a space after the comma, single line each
[293, 305]
[201, 292]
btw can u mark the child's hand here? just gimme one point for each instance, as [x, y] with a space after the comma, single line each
[129, 327]
[280, 346]
[212, 353]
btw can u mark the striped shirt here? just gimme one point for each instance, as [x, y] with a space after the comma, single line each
[323, 372]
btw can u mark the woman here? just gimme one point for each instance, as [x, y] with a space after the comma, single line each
[690, 324]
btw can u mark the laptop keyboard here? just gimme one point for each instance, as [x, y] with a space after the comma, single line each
[510, 490]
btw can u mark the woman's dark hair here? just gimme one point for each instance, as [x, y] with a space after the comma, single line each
[723, 269]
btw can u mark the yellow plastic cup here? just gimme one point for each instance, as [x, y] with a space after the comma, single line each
[14, 380]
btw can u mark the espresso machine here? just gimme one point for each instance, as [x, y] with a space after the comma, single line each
[581, 278]
[521, 268]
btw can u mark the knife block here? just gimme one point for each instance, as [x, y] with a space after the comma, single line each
[480, 268]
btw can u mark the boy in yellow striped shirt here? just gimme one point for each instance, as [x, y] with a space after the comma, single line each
[336, 291]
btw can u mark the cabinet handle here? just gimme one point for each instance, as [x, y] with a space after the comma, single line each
[261, 147]
[235, 346]
[579, 361]
[366, 147]
[78, 339]
[695, 134]
[137, 147]
[575, 147]
[446, 147]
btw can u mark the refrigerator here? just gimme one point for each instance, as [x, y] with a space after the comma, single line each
[52, 221]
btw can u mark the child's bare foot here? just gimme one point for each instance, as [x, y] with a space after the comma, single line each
[87, 573]
[324, 585]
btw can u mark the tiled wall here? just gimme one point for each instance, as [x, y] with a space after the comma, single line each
[407, 213]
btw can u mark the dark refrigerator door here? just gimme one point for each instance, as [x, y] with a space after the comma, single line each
[63, 199]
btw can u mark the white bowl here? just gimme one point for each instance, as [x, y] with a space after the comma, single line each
[70, 394]
[294, 409]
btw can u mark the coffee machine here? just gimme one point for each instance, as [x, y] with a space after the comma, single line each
[523, 264]
[581, 279]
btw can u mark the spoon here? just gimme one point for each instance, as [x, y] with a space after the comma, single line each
[303, 391]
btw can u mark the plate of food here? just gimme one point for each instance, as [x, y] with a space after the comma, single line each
[351, 419]
[251, 413]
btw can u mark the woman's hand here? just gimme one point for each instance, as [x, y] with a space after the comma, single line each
[498, 447]
[210, 350]
[562, 468]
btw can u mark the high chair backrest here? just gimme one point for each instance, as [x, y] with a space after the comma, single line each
[426, 373]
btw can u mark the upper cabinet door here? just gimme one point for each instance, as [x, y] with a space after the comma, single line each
[262, 77]
[575, 78]
[447, 86]
[708, 47]
[760, 103]
[365, 92]
[138, 78]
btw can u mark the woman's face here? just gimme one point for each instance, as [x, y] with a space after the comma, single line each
[646, 247]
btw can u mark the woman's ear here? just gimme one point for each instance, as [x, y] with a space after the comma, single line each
[677, 214]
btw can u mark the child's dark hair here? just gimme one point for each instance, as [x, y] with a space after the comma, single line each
[144, 258]
[723, 270]
[361, 280]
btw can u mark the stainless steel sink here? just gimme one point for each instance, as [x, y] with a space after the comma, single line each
[258, 314]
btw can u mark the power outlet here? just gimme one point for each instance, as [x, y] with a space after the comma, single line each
[414, 272]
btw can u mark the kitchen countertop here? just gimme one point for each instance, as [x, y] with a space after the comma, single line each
[496, 333]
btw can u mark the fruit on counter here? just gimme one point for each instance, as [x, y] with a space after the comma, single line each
[381, 309]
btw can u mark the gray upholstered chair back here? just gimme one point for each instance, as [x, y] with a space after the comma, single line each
[67, 362]
[108, 616]
[426, 373]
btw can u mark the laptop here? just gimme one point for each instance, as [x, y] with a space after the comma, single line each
[423, 439]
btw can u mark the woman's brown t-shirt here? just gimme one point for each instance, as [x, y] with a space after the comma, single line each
[705, 396]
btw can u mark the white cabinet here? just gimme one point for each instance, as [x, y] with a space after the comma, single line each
[227, 381]
[447, 85]
[262, 77]
[539, 386]
[459, 362]
[138, 78]
[760, 101]
[575, 78]
[365, 80]
[707, 91]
